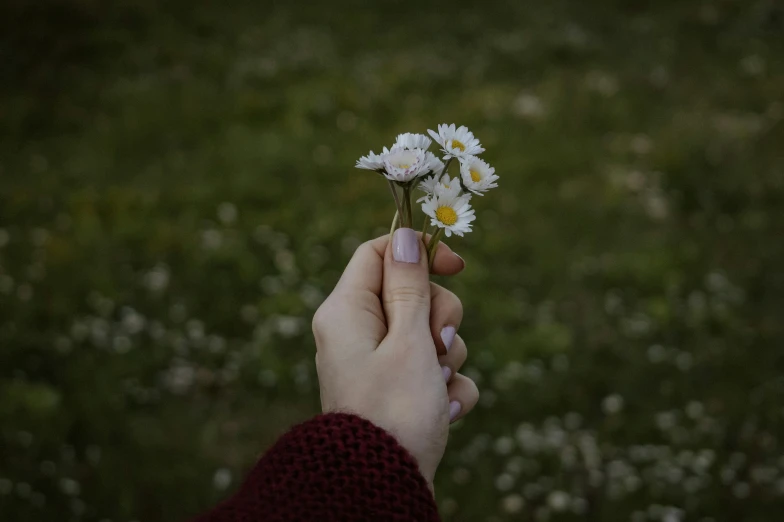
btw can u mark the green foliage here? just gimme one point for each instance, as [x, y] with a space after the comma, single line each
[177, 197]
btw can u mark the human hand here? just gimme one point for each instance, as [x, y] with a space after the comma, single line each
[387, 347]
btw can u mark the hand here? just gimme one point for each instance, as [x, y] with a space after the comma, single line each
[387, 347]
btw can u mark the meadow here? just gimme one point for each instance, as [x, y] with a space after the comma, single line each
[177, 197]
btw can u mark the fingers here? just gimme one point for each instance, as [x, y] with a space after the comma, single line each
[454, 359]
[446, 313]
[446, 262]
[405, 292]
[358, 290]
[463, 396]
[363, 272]
[365, 267]
[355, 301]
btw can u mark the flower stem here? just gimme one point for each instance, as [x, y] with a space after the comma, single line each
[432, 245]
[446, 168]
[397, 199]
[403, 212]
[424, 229]
[395, 222]
[409, 219]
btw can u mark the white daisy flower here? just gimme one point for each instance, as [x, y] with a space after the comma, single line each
[409, 140]
[434, 165]
[428, 186]
[456, 142]
[403, 165]
[451, 212]
[433, 186]
[478, 176]
[372, 161]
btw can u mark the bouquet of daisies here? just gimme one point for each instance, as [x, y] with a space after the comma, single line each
[446, 203]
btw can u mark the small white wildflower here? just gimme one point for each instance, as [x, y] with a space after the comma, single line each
[528, 106]
[431, 185]
[666, 420]
[612, 404]
[504, 482]
[434, 165]
[69, 486]
[513, 503]
[478, 176]
[456, 142]
[452, 213]
[403, 165]
[504, 445]
[559, 500]
[428, 186]
[695, 409]
[372, 161]
[410, 140]
[227, 213]
[157, 279]
[222, 479]
[657, 353]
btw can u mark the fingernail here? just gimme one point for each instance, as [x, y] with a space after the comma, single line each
[447, 336]
[447, 373]
[405, 246]
[454, 410]
[460, 258]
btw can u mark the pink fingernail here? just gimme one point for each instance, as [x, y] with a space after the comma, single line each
[405, 246]
[447, 373]
[447, 336]
[454, 410]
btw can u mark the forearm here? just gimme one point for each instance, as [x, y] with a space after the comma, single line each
[333, 467]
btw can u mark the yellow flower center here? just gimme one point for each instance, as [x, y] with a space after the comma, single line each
[458, 145]
[475, 176]
[446, 215]
[404, 166]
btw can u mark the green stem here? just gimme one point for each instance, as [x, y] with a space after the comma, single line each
[446, 168]
[395, 222]
[407, 205]
[424, 229]
[432, 245]
[397, 199]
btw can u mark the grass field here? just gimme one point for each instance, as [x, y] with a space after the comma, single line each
[177, 196]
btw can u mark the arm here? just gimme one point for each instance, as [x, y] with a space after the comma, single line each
[387, 350]
[334, 467]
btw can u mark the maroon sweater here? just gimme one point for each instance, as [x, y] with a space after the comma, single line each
[334, 467]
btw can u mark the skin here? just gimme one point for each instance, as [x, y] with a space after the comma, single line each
[380, 353]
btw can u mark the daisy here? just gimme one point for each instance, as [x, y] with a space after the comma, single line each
[434, 165]
[372, 161]
[432, 185]
[451, 212]
[456, 143]
[403, 165]
[478, 176]
[428, 186]
[410, 140]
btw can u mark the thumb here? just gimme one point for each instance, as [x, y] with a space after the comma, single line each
[405, 290]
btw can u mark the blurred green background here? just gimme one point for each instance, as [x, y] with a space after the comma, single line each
[177, 196]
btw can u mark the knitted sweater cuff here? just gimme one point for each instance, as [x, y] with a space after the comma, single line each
[337, 467]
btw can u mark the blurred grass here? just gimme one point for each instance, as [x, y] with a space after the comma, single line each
[177, 196]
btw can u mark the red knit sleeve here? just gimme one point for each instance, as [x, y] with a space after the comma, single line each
[334, 467]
